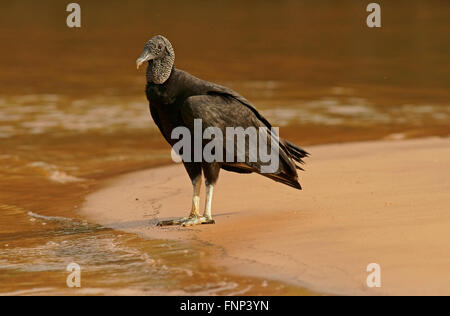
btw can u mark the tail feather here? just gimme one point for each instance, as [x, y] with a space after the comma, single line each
[296, 153]
[282, 178]
[288, 175]
[299, 168]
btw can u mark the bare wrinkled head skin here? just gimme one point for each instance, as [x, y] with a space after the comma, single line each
[160, 56]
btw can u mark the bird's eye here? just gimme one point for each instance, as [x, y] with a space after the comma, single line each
[159, 46]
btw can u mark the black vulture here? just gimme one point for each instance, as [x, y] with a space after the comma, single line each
[177, 99]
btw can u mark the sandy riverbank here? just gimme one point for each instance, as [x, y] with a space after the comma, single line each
[386, 202]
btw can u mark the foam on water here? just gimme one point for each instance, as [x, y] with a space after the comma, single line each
[40, 114]
[49, 218]
[54, 174]
[353, 112]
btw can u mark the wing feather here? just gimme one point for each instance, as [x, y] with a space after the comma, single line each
[221, 110]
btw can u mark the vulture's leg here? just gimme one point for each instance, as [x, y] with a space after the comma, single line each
[196, 176]
[209, 196]
[206, 218]
[211, 172]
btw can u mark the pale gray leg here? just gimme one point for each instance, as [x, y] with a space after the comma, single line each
[195, 210]
[206, 218]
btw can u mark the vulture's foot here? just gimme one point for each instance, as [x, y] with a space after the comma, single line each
[187, 221]
[198, 220]
[173, 222]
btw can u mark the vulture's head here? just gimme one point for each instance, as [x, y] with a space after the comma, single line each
[159, 54]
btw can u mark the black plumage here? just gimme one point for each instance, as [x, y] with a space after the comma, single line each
[177, 98]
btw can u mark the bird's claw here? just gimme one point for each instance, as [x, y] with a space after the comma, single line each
[187, 221]
[172, 222]
[198, 220]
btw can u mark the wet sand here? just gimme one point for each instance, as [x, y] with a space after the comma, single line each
[384, 202]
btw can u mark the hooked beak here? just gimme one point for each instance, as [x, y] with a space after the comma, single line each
[145, 56]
